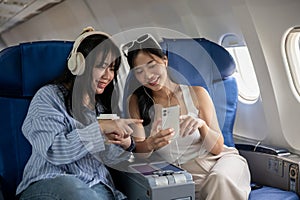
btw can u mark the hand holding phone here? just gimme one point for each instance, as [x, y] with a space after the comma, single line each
[170, 119]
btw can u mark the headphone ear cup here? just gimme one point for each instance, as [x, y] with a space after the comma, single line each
[80, 63]
[76, 63]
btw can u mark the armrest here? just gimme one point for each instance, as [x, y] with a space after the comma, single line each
[272, 166]
[272, 150]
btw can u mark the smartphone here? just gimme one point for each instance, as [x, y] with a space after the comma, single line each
[170, 119]
[108, 116]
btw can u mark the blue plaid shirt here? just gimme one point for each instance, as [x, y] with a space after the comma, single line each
[63, 146]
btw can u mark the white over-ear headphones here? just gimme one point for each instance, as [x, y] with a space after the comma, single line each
[76, 60]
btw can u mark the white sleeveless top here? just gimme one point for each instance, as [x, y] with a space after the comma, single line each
[183, 149]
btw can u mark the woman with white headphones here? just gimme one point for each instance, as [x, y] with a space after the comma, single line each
[70, 146]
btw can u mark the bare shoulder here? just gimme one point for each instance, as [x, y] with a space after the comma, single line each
[200, 96]
[198, 89]
[199, 92]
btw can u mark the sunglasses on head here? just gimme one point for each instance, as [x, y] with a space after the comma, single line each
[140, 40]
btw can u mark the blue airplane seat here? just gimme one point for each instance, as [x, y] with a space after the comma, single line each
[187, 57]
[202, 62]
[24, 69]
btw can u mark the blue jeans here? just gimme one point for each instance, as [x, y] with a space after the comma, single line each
[66, 188]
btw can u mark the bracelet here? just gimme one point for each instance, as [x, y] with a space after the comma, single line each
[132, 146]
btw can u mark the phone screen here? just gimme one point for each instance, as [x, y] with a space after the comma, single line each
[170, 119]
[144, 169]
[166, 166]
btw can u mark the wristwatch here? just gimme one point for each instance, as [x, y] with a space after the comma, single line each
[131, 148]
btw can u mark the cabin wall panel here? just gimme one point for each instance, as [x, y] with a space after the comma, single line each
[251, 121]
[272, 18]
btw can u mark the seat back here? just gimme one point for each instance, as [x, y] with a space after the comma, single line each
[202, 62]
[24, 69]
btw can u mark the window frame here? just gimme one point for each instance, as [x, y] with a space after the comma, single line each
[231, 42]
[291, 56]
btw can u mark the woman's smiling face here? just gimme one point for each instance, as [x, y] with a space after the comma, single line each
[150, 70]
[103, 75]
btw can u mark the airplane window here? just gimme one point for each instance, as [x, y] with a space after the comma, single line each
[245, 74]
[292, 56]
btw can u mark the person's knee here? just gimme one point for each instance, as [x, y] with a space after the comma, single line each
[218, 178]
[62, 188]
[72, 188]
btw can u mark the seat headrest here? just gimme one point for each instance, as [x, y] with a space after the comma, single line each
[205, 58]
[28, 66]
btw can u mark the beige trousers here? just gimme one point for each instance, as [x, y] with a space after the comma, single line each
[220, 177]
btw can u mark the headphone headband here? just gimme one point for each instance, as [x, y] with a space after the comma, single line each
[85, 35]
[76, 61]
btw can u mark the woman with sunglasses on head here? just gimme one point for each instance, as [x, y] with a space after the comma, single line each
[70, 147]
[219, 171]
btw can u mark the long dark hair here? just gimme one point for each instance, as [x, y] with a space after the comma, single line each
[91, 47]
[143, 94]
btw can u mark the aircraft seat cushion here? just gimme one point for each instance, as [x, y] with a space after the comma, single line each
[11, 75]
[28, 66]
[209, 65]
[24, 69]
[14, 148]
[201, 52]
[38, 67]
[272, 193]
